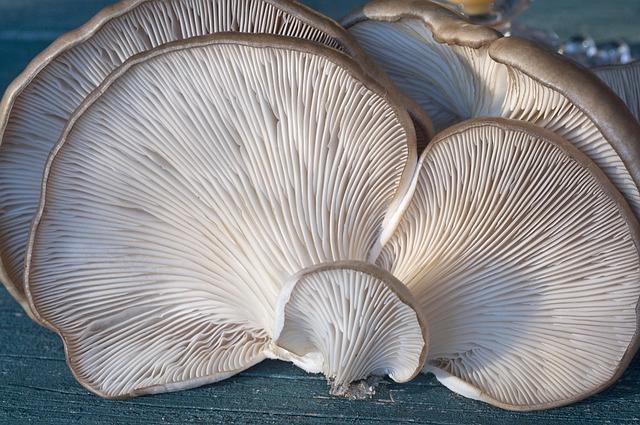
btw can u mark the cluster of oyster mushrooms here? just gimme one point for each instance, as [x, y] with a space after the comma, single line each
[188, 187]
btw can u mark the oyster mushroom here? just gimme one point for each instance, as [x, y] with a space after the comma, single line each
[456, 70]
[161, 243]
[40, 101]
[524, 260]
[351, 321]
[624, 80]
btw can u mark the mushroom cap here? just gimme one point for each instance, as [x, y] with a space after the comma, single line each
[624, 80]
[524, 260]
[446, 25]
[350, 321]
[40, 101]
[189, 186]
[456, 70]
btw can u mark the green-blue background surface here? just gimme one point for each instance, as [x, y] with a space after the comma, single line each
[37, 388]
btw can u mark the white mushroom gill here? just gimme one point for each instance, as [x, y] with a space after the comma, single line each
[40, 102]
[625, 81]
[236, 161]
[524, 260]
[538, 104]
[350, 321]
[451, 83]
[456, 71]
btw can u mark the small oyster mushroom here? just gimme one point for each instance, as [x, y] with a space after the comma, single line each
[624, 80]
[524, 260]
[456, 70]
[350, 321]
[189, 186]
[40, 101]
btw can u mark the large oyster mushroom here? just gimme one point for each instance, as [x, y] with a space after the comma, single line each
[39, 102]
[524, 260]
[351, 321]
[625, 81]
[456, 70]
[189, 186]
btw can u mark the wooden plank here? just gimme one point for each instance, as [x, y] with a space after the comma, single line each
[35, 384]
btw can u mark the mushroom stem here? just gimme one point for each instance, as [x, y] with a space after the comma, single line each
[350, 321]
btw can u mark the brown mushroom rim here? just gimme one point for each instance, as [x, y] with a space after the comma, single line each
[583, 88]
[249, 40]
[89, 29]
[446, 25]
[608, 189]
[396, 286]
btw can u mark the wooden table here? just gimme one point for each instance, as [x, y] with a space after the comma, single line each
[36, 386]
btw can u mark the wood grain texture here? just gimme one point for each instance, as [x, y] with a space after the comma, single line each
[36, 387]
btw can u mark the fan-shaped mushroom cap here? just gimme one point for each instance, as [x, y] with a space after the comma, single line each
[625, 81]
[524, 260]
[189, 187]
[456, 70]
[38, 104]
[350, 321]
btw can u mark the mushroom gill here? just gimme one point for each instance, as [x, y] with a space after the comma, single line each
[41, 100]
[624, 80]
[457, 70]
[350, 321]
[161, 243]
[524, 260]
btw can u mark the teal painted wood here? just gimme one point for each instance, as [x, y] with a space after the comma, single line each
[36, 386]
[601, 19]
